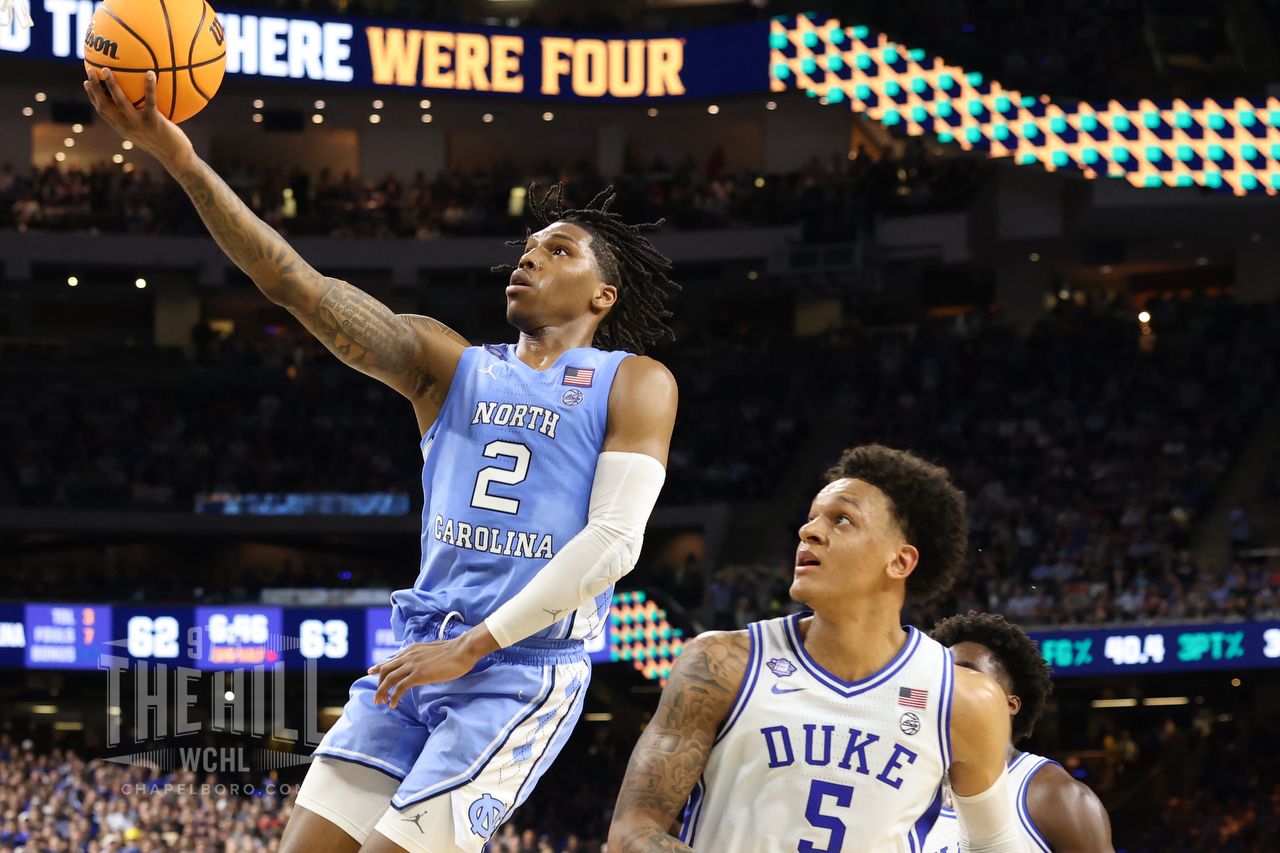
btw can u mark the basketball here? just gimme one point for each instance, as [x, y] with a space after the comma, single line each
[180, 40]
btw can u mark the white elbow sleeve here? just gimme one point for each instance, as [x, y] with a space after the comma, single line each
[623, 494]
[987, 820]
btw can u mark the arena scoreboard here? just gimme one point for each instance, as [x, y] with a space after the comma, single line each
[1163, 648]
[225, 637]
[211, 638]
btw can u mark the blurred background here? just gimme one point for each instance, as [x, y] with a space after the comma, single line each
[1094, 361]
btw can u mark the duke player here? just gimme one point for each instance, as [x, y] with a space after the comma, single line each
[1056, 813]
[542, 462]
[832, 732]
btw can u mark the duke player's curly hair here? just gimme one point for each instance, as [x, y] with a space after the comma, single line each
[1016, 653]
[625, 259]
[927, 506]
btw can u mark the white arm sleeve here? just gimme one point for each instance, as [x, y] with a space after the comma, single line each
[625, 489]
[11, 9]
[987, 821]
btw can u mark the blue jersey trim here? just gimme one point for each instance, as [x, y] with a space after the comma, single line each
[1024, 814]
[848, 689]
[495, 745]
[920, 830]
[360, 758]
[749, 679]
[693, 811]
[578, 700]
[944, 709]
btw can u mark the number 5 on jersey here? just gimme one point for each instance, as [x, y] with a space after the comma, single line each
[480, 497]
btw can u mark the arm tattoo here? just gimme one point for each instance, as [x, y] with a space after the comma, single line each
[243, 236]
[361, 330]
[673, 750]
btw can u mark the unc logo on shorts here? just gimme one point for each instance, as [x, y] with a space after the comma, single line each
[909, 723]
[572, 397]
[485, 814]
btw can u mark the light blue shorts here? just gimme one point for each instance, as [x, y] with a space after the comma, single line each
[485, 738]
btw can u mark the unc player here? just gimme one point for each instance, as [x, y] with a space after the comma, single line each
[542, 462]
[1056, 813]
[832, 732]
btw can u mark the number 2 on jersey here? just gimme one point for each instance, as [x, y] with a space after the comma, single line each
[843, 795]
[480, 497]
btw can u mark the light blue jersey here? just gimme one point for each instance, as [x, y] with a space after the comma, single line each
[507, 473]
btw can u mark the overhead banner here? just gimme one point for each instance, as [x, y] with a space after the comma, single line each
[359, 52]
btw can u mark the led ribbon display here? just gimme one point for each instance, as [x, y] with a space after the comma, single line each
[1231, 146]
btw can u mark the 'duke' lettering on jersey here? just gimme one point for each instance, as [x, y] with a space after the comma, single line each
[808, 762]
[507, 473]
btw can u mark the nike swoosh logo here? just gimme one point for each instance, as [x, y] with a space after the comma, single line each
[792, 690]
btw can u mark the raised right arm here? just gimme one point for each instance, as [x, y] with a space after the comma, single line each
[673, 750]
[414, 355]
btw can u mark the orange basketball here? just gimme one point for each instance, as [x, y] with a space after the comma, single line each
[180, 40]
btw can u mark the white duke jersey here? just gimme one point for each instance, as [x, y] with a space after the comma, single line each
[945, 837]
[808, 763]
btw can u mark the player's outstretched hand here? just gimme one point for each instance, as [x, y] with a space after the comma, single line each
[430, 663]
[146, 127]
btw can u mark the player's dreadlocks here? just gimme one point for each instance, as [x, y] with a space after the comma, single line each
[626, 259]
[1017, 653]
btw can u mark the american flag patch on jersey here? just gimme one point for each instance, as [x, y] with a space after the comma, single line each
[580, 376]
[912, 698]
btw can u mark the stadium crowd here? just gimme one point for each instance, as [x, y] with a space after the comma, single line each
[1086, 459]
[1205, 783]
[832, 200]
[1086, 462]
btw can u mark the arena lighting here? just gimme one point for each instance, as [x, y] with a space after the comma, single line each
[1114, 703]
[753, 275]
[113, 710]
[1230, 145]
[1064, 294]
[1202, 262]
[117, 158]
[375, 118]
[487, 117]
[69, 142]
[44, 709]
[68, 726]
[426, 118]
[1144, 317]
[713, 109]
[317, 118]
[41, 96]
[128, 167]
[760, 182]
[1166, 700]
[127, 145]
[257, 117]
[27, 111]
[319, 105]
[1235, 682]
[72, 281]
[424, 104]
[653, 111]
[1105, 268]
[258, 104]
[141, 284]
[772, 105]
[548, 116]
[229, 696]
[60, 156]
[602, 717]
[1034, 256]
[377, 105]
[77, 128]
